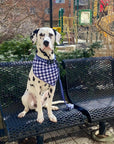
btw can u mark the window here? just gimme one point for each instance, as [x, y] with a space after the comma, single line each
[47, 10]
[1, 1]
[60, 1]
[32, 10]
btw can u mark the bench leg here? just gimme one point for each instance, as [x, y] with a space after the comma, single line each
[100, 135]
[39, 139]
[2, 133]
[102, 128]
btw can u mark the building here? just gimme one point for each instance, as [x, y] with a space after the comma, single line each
[23, 16]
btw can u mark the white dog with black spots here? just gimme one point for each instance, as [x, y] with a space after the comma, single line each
[43, 75]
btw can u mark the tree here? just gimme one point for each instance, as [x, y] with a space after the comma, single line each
[20, 17]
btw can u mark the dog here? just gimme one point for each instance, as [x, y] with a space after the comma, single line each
[43, 75]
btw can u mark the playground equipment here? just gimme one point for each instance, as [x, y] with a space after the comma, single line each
[61, 11]
[57, 29]
[88, 26]
[68, 26]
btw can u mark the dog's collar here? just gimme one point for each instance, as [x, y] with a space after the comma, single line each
[46, 61]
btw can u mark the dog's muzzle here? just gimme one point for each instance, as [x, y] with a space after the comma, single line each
[46, 43]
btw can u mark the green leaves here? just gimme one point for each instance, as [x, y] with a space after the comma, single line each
[78, 53]
[15, 50]
[22, 49]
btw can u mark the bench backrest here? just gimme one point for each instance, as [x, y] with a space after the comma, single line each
[13, 82]
[89, 78]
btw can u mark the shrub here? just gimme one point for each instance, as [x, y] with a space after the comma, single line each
[16, 50]
[22, 49]
[78, 53]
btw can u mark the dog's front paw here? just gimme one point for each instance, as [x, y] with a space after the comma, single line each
[22, 114]
[54, 108]
[52, 118]
[40, 119]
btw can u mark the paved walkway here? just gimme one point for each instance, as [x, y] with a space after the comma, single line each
[74, 135]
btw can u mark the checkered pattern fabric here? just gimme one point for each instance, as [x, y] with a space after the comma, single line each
[45, 70]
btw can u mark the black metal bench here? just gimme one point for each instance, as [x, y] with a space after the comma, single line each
[90, 86]
[13, 79]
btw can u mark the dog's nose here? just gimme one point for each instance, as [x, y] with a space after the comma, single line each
[46, 43]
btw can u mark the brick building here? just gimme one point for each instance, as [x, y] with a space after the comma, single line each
[41, 8]
[23, 16]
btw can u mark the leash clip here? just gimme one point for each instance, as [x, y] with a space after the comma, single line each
[69, 106]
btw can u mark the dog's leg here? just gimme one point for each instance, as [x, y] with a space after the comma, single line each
[44, 101]
[40, 117]
[24, 99]
[49, 105]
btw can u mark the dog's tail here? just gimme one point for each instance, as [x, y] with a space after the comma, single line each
[57, 102]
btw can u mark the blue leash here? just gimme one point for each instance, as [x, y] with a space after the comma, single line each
[68, 106]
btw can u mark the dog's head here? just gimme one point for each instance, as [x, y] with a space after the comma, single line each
[45, 38]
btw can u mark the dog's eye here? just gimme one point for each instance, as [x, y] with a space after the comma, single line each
[42, 34]
[50, 35]
[31, 37]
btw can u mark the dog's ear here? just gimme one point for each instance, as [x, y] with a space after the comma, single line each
[57, 36]
[33, 36]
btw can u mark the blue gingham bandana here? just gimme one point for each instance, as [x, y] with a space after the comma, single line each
[45, 70]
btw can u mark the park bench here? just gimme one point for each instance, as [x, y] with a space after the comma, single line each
[13, 80]
[89, 85]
